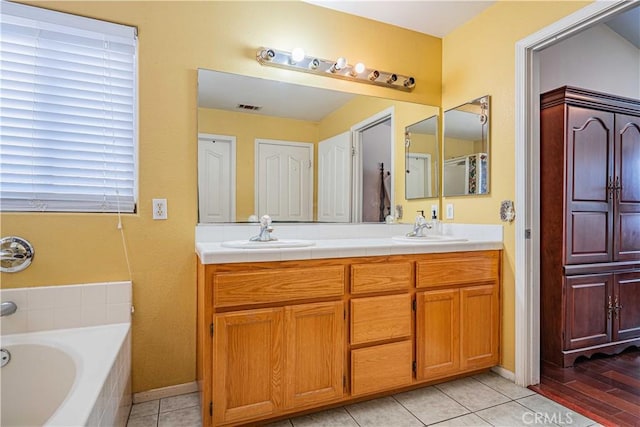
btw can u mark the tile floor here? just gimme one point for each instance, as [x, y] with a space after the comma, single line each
[482, 400]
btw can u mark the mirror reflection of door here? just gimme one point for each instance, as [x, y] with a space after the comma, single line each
[418, 176]
[217, 177]
[375, 149]
[284, 180]
[334, 178]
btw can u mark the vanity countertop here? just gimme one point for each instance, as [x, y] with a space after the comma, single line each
[215, 253]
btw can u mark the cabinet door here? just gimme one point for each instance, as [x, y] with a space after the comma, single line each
[480, 326]
[589, 175]
[626, 317]
[249, 363]
[437, 333]
[627, 180]
[587, 317]
[315, 345]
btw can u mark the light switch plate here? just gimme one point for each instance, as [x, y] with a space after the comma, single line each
[449, 211]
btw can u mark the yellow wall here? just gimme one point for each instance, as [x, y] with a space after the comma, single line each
[175, 39]
[247, 128]
[478, 59]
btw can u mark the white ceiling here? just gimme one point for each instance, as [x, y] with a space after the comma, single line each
[434, 17]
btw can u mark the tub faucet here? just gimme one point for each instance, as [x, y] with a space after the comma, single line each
[265, 230]
[8, 308]
[419, 226]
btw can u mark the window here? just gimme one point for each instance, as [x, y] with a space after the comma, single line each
[68, 122]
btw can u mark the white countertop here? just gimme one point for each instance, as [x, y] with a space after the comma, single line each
[378, 241]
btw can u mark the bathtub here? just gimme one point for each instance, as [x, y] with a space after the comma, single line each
[67, 377]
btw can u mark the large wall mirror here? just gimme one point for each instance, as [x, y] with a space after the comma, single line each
[466, 149]
[421, 159]
[299, 153]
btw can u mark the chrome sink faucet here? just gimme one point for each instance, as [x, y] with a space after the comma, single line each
[265, 230]
[419, 226]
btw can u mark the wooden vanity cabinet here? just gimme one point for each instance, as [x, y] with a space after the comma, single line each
[277, 338]
[458, 321]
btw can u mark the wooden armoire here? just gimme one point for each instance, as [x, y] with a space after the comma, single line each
[589, 224]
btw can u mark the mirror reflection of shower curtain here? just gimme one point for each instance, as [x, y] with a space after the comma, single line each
[466, 174]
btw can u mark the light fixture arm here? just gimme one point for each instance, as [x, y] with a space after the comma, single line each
[339, 69]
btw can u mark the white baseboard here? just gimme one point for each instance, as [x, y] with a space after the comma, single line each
[505, 373]
[160, 393]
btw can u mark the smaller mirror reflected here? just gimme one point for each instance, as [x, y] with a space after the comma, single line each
[466, 149]
[421, 159]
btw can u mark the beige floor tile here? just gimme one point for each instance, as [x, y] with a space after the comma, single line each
[144, 408]
[556, 413]
[512, 414]
[503, 385]
[430, 405]
[471, 420]
[331, 418]
[179, 402]
[143, 421]
[189, 417]
[384, 412]
[472, 394]
[281, 423]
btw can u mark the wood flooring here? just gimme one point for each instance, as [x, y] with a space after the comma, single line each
[603, 388]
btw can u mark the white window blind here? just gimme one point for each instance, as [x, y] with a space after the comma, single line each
[68, 100]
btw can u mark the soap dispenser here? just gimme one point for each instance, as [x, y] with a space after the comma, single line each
[435, 223]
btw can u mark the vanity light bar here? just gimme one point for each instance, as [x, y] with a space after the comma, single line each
[340, 68]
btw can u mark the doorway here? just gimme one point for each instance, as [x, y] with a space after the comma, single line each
[373, 168]
[528, 178]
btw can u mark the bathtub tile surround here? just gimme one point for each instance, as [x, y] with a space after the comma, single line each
[446, 404]
[92, 321]
[69, 306]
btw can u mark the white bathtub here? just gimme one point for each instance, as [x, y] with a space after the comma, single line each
[67, 377]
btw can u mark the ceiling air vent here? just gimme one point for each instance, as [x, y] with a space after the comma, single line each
[248, 107]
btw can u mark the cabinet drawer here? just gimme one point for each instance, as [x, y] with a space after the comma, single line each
[380, 277]
[284, 284]
[381, 367]
[457, 268]
[380, 318]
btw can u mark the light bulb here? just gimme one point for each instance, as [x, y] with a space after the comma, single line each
[338, 65]
[267, 54]
[314, 64]
[297, 55]
[359, 68]
[409, 83]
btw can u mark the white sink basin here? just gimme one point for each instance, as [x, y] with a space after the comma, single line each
[433, 238]
[272, 244]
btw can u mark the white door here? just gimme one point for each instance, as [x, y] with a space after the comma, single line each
[418, 176]
[334, 178]
[216, 178]
[284, 180]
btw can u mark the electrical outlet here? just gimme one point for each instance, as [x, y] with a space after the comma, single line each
[449, 210]
[159, 208]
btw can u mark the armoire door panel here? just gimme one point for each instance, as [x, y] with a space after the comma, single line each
[627, 306]
[587, 319]
[589, 235]
[590, 153]
[589, 194]
[627, 219]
